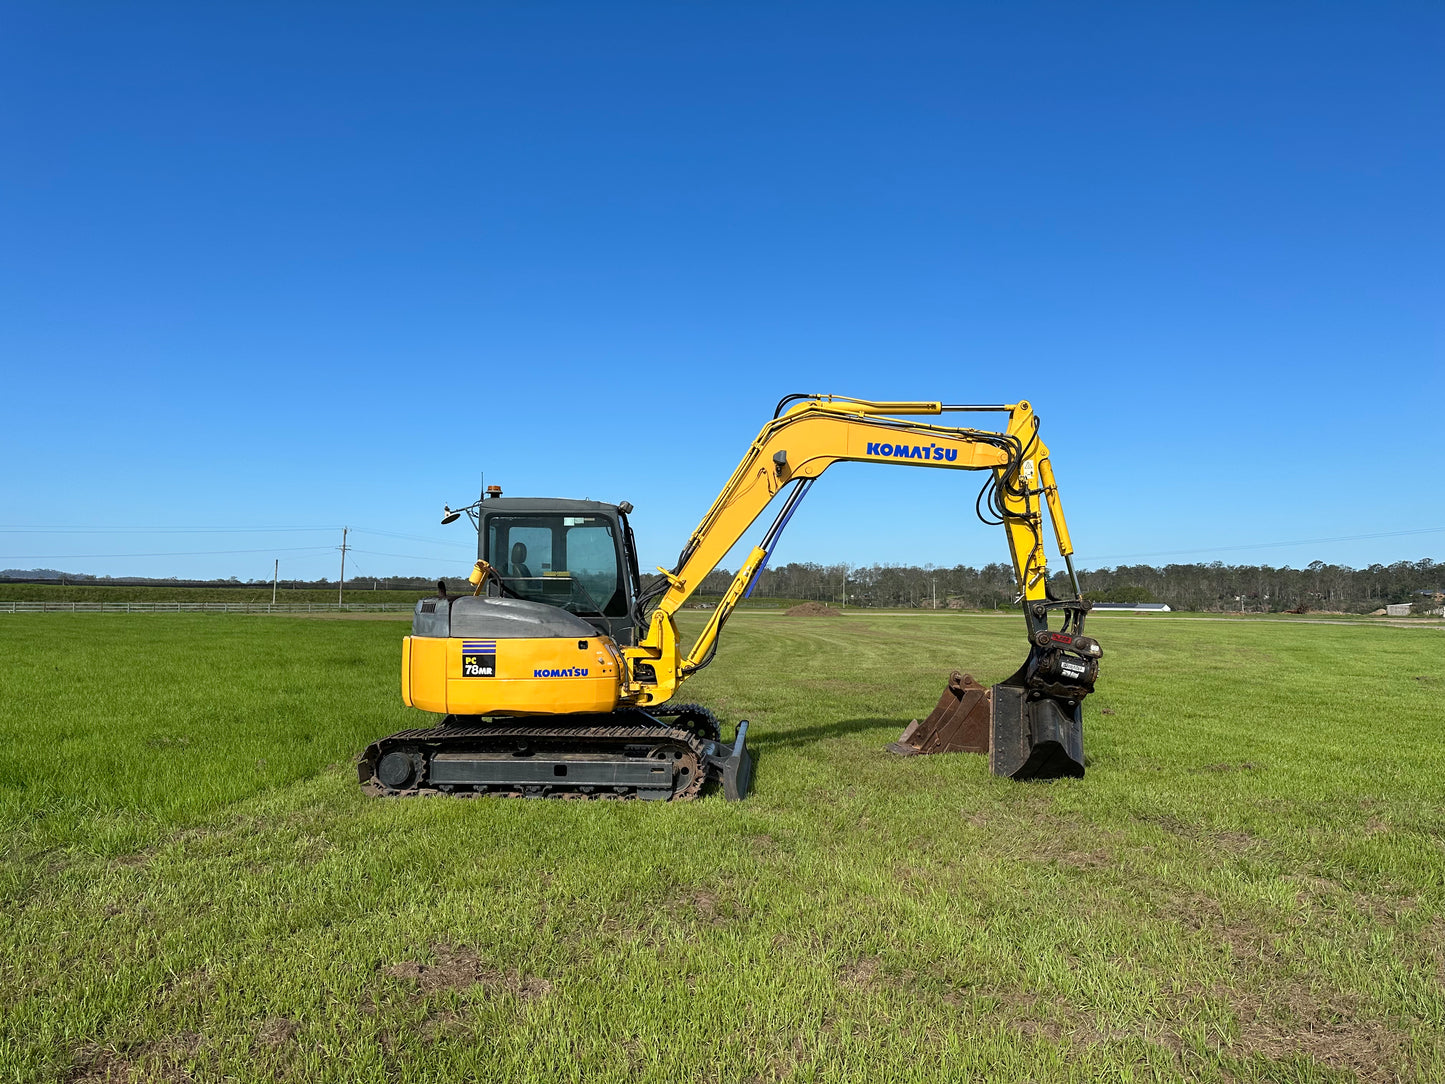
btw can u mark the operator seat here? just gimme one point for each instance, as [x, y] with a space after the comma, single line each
[519, 561]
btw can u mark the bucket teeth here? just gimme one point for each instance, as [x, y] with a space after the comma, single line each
[958, 724]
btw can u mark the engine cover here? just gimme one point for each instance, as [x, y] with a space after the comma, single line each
[492, 656]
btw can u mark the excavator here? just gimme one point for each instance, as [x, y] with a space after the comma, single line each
[556, 677]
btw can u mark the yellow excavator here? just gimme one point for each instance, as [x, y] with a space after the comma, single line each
[557, 675]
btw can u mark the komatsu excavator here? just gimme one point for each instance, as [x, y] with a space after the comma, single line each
[556, 676]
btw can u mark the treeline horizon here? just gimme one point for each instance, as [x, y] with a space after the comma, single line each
[357, 583]
[1211, 586]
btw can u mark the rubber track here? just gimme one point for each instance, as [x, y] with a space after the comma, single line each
[582, 740]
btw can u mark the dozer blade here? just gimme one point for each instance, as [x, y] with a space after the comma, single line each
[1024, 738]
[735, 766]
[958, 724]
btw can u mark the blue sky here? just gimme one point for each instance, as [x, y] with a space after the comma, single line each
[304, 265]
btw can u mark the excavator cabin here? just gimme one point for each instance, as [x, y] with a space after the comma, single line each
[578, 556]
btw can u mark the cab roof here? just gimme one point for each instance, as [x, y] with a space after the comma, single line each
[544, 504]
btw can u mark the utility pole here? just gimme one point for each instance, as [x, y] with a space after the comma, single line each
[342, 585]
[935, 592]
[275, 575]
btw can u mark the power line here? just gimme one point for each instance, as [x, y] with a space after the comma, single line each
[1272, 545]
[42, 529]
[413, 537]
[62, 529]
[180, 553]
[403, 556]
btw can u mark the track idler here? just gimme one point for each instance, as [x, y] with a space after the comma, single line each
[1031, 726]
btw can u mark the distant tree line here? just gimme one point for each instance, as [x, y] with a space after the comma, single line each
[1212, 586]
[357, 583]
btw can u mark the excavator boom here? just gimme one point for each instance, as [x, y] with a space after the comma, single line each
[1033, 719]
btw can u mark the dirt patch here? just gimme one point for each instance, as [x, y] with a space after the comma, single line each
[1282, 1016]
[861, 974]
[1282, 1021]
[1286, 1020]
[95, 1064]
[165, 1061]
[455, 969]
[444, 1026]
[814, 609]
[1246, 940]
[700, 905]
[707, 908]
[915, 877]
[1059, 840]
[276, 1031]
[1236, 842]
[193, 989]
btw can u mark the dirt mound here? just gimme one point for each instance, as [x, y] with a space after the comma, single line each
[814, 609]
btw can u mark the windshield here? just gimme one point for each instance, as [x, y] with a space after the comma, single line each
[566, 561]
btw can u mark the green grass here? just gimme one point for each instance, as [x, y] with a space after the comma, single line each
[1249, 884]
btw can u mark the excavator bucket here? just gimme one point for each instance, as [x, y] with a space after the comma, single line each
[1025, 735]
[958, 724]
[1034, 737]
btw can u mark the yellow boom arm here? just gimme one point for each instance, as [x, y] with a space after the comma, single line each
[798, 446]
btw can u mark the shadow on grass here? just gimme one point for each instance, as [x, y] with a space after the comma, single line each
[809, 734]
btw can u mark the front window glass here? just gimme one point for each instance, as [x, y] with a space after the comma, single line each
[566, 561]
[592, 559]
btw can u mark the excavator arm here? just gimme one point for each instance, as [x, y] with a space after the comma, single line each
[810, 434]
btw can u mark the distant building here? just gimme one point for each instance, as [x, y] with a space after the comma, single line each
[1134, 607]
[1397, 609]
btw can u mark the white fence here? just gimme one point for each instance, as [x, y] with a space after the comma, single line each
[204, 607]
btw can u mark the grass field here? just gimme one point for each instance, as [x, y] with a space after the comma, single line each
[1249, 884]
